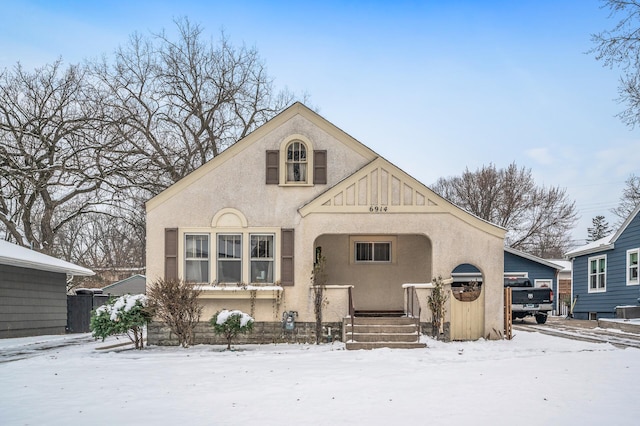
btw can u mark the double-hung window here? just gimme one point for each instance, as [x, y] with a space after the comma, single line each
[262, 258]
[371, 251]
[229, 258]
[597, 274]
[296, 162]
[632, 267]
[197, 258]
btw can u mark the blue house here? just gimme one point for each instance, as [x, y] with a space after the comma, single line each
[605, 272]
[541, 272]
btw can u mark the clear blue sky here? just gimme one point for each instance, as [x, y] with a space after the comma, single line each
[433, 86]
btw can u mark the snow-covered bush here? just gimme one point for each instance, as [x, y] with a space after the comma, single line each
[125, 315]
[231, 323]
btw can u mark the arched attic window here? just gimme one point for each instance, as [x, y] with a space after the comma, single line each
[296, 162]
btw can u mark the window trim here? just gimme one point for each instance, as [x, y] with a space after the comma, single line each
[628, 267]
[602, 289]
[392, 240]
[271, 259]
[186, 259]
[245, 231]
[537, 283]
[218, 259]
[298, 147]
[284, 147]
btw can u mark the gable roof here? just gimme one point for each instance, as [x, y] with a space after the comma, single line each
[605, 243]
[380, 183]
[125, 281]
[295, 109]
[15, 255]
[533, 258]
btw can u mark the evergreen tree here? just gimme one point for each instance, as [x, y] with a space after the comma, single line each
[599, 230]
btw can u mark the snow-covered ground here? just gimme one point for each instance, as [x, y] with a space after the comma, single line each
[533, 379]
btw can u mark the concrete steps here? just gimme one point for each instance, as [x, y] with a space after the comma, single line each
[382, 332]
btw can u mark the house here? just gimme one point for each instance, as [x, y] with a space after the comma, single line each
[248, 226]
[135, 284]
[33, 291]
[605, 273]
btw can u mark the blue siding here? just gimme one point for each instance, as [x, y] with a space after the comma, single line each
[537, 271]
[617, 293]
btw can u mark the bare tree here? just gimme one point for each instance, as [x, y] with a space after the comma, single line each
[619, 48]
[538, 219]
[82, 146]
[53, 152]
[179, 103]
[629, 199]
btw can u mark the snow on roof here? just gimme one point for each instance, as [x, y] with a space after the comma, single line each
[15, 255]
[603, 243]
[566, 264]
[606, 243]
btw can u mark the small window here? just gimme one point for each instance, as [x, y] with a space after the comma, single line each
[632, 267]
[262, 258]
[296, 162]
[229, 258]
[542, 283]
[597, 274]
[593, 316]
[373, 251]
[196, 258]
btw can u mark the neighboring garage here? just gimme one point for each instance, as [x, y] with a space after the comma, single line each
[136, 284]
[33, 291]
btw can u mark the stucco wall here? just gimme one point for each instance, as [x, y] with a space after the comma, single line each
[377, 286]
[438, 236]
[453, 242]
[239, 182]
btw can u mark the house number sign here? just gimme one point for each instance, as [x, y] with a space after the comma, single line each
[377, 209]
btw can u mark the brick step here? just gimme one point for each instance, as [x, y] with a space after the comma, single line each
[384, 337]
[378, 345]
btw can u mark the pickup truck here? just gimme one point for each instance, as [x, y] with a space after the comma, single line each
[527, 300]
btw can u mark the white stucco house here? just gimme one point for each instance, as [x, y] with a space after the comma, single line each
[248, 226]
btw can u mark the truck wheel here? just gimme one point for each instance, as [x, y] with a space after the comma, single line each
[541, 318]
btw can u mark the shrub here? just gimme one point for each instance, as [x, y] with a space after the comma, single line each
[319, 280]
[436, 302]
[175, 302]
[125, 315]
[231, 323]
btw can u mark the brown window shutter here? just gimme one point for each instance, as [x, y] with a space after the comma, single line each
[286, 267]
[272, 171]
[170, 253]
[320, 167]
